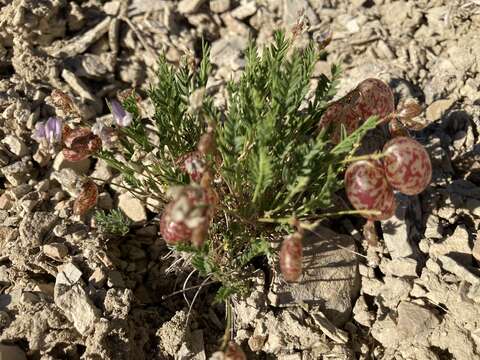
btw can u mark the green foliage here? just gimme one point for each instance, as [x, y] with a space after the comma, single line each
[113, 222]
[274, 158]
[272, 161]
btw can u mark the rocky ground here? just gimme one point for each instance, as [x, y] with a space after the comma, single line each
[70, 292]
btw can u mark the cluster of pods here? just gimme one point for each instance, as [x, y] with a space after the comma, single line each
[185, 220]
[404, 164]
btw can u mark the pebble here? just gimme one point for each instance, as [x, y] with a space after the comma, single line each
[246, 10]
[219, 6]
[132, 207]
[395, 230]
[15, 145]
[189, 6]
[458, 242]
[462, 272]
[401, 267]
[55, 251]
[77, 307]
[438, 108]
[35, 226]
[98, 277]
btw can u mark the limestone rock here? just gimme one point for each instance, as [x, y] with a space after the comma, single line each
[330, 277]
[189, 6]
[35, 226]
[72, 299]
[132, 207]
[80, 167]
[55, 251]
[438, 108]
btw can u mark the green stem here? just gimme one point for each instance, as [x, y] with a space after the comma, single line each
[305, 225]
[377, 156]
[228, 326]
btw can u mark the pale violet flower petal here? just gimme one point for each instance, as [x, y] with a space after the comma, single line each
[122, 117]
[39, 132]
[53, 130]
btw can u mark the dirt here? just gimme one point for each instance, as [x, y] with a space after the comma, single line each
[67, 291]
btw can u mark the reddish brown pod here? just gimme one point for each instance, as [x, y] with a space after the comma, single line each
[407, 165]
[193, 164]
[173, 231]
[291, 254]
[370, 97]
[367, 189]
[234, 352]
[188, 213]
[86, 199]
[376, 98]
[79, 143]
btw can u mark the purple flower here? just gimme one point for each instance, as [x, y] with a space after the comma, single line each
[122, 117]
[48, 132]
[105, 133]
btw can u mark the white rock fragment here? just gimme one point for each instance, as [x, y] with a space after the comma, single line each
[455, 243]
[189, 6]
[401, 267]
[72, 299]
[395, 230]
[246, 10]
[68, 274]
[15, 145]
[55, 251]
[77, 85]
[462, 272]
[219, 6]
[80, 167]
[132, 207]
[436, 110]
[98, 278]
[79, 44]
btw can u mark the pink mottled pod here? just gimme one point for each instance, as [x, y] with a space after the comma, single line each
[173, 231]
[193, 164]
[367, 189]
[188, 214]
[234, 352]
[407, 165]
[371, 97]
[291, 254]
[376, 98]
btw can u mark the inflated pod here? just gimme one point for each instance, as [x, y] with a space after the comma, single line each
[367, 189]
[370, 97]
[407, 164]
[291, 255]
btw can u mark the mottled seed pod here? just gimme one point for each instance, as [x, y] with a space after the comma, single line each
[173, 231]
[234, 352]
[188, 213]
[86, 199]
[407, 164]
[291, 255]
[370, 97]
[367, 189]
[376, 98]
[79, 143]
[193, 164]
